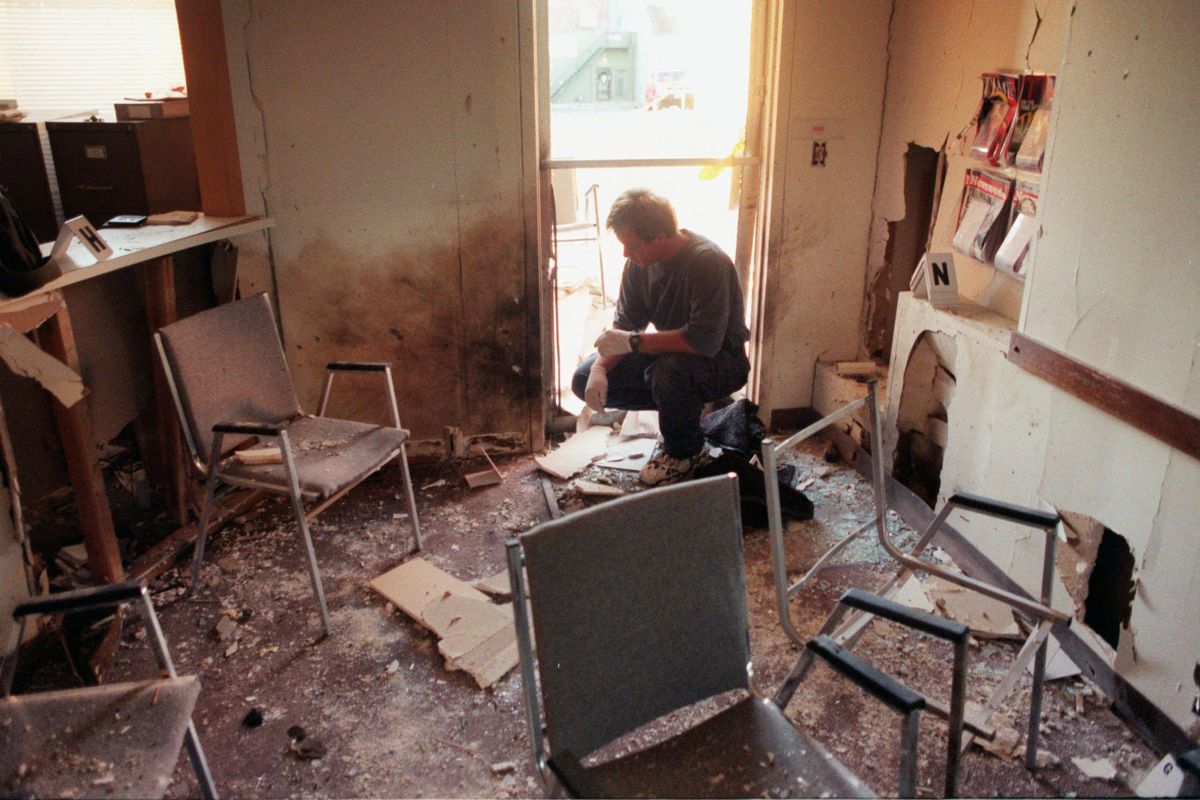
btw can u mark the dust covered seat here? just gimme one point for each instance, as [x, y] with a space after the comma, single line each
[230, 380]
[638, 608]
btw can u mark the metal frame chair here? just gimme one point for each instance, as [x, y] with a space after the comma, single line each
[849, 625]
[245, 391]
[44, 724]
[638, 608]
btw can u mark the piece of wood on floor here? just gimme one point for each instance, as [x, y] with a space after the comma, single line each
[987, 618]
[855, 368]
[416, 582]
[487, 477]
[593, 489]
[497, 585]
[260, 455]
[576, 453]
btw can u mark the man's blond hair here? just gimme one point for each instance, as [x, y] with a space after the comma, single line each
[647, 214]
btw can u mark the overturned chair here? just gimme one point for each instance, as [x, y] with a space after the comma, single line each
[638, 608]
[848, 621]
[229, 377]
[115, 740]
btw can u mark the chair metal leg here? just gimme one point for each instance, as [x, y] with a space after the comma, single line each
[200, 763]
[910, 729]
[289, 466]
[412, 499]
[210, 489]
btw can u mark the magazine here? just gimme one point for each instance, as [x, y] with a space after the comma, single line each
[981, 215]
[1028, 139]
[994, 118]
[1012, 251]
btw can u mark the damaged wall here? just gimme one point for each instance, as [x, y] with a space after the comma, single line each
[385, 139]
[1114, 283]
[835, 60]
[938, 50]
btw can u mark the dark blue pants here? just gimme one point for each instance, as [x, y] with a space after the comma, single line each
[677, 385]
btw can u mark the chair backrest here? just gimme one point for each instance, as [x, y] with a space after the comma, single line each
[227, 364]
[639, 608]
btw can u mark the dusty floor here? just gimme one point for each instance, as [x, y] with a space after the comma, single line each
[384, 718]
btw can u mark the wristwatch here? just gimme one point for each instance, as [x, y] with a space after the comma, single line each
[635, 342]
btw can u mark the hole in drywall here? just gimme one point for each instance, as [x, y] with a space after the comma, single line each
[1110, 588]
[923, 417]
[905, 245]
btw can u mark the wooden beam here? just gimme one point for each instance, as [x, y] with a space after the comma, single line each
[210, 100]
[83, 465]
[1167, 423]
[158, 280]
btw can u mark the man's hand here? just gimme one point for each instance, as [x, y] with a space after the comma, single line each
[613, 343]
[596, 392]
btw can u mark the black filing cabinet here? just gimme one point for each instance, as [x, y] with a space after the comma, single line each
[110, 168]
[23, 178]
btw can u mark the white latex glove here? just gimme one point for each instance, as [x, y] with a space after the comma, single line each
[613, 343]
[596, 392]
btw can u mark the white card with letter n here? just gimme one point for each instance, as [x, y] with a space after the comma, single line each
[934, 278]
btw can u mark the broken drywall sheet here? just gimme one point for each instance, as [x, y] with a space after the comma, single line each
[628, 454]
[475, 635]
[575, 454]
[987, 618]
[911, 594]
[26, 358]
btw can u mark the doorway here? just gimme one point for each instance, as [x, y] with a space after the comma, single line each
[647, 93]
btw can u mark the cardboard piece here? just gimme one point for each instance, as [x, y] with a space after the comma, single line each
[987, 618]
[416, 582]
[475, 635]
[576, 453]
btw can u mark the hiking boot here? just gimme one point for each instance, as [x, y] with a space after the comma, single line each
[663, 469]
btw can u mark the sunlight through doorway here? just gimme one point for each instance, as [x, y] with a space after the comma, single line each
[642, 93]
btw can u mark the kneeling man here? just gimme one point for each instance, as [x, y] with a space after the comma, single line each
[687, 287]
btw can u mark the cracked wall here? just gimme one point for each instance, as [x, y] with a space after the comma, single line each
[1114, 282]
[386, 143]
[939, 49]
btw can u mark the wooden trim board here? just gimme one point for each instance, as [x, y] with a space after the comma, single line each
[1167, 423]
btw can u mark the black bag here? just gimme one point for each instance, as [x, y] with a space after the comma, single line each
[21, 261]
[735, 427]
[752, 487]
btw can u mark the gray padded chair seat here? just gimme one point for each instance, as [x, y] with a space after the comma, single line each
[120, 740]
[330, 454]
[744, 751]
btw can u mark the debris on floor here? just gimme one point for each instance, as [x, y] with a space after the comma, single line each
[488, 477]
[575, 454]
[987, 618]
[476, 635]
[1101, 768]
[497, 585]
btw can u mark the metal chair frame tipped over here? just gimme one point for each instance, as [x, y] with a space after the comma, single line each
[845, 626]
